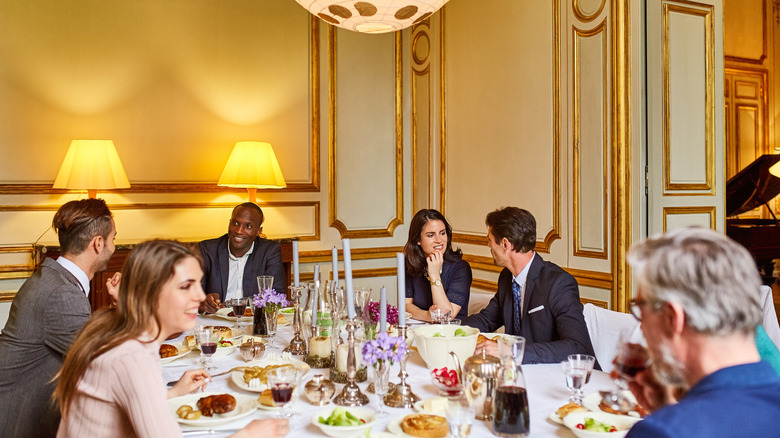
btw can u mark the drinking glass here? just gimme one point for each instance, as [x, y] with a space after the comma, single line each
[632, 357]
[282, 382]
[460, 415]
[239, 306]
[265, 282]
[208, 347]
[440, 316]
[577, 369]
[381, 377]
[452, 322]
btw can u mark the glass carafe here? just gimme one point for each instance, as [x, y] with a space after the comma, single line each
[510, 411]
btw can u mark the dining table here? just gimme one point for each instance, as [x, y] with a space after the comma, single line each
[545, 384]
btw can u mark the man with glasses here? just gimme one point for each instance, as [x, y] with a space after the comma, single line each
[47, 313]
[698, 300]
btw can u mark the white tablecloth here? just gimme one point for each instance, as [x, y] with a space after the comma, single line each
[545, 384]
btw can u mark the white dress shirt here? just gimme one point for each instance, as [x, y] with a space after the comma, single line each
[235, 288]
[80, 275]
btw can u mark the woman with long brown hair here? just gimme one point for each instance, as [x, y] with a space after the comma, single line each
[111, 382]
[436, 275]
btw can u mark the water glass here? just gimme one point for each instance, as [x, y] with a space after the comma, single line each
[576, 373]
[440, 316]
[452, 322]
[265, 282]
[460, 415]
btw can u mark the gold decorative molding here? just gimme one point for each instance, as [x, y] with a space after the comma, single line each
[600, 280]
[764, 40]
[421, 70]
[705, 188]
[597, 303]
[490, 286]
[399, 172]
[385, 252]
[760, 100]
[554, 233]
[583, 16]
[708, 210]
[621, 159]
[577, 35]
[7, 296]
[442, 111]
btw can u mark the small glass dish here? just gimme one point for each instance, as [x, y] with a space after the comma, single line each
[446, 381]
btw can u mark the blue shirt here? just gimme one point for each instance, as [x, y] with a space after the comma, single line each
[738, 401]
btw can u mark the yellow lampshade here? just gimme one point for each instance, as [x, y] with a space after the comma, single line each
[372, 16]
[92, 165]
[252, 165]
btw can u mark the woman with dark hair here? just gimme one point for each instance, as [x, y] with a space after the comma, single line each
[111, 382]
[436, 276]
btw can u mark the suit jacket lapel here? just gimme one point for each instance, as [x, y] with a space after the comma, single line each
[530, 282]
[224, 269]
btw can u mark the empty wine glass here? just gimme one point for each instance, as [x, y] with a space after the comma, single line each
[208, 347]
[577, 369]
[282, 382]
[381, 377]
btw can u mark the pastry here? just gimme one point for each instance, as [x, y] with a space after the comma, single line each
[220, 331]
[568, 408]
[189, 342]
[168, 350]
[266, 399]
[425, 426]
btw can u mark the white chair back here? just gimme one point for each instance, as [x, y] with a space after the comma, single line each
[770, 316]
[604, 328]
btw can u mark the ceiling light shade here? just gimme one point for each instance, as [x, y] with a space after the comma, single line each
[252, 165]
[372, 16]
[92, 165]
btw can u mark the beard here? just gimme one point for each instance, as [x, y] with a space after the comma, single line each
[667, 368]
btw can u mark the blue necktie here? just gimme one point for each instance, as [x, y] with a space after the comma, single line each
[518, 296]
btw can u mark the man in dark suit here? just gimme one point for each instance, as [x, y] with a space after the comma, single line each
[232, 263]
[47, 313]
[536, 299]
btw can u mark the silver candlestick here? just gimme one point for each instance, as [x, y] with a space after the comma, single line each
[351, 395]
[297, 344]
[401, 396]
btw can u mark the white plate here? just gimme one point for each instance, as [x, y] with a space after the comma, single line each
[223, 351]
[223, 313]
[555, 418]
[394, 426]
[238, 376]
[591, 402]
[621, 422]
[183, 351]
[245, 405]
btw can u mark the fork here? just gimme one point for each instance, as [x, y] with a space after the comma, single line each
[173, 382]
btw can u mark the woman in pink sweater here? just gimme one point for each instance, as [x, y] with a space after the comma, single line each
[111, 382]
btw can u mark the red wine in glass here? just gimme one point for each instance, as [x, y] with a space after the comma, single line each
[282, 393]
[208, 348]
[239, 309]
[632, 359]
[511, 411]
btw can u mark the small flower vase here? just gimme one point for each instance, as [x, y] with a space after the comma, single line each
[381, 377]
[370, 329]
[265, 321]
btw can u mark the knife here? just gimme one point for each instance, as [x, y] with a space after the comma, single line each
[208, 432]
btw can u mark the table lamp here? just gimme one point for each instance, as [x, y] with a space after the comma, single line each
[252, 165]
[92, 165]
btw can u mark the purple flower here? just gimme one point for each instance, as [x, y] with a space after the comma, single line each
[269, 297]
[373, 312]
[384, 348]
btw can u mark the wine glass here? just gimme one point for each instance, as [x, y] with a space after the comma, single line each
[381, 377]
[208, 347]
[282, 382]
[460, 415]
[239, 307]
[632, 357]
[577, 369]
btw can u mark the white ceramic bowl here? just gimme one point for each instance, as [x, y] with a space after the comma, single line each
[435, 350]
[621, 422]
[366, 414]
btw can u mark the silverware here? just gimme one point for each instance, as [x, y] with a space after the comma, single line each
[209, 432]
[173, 382]
[617, 402]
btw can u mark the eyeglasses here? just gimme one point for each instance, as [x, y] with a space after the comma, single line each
[636, 307]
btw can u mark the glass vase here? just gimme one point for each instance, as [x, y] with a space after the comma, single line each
[265, 321]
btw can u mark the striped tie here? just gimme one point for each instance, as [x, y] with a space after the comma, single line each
[518, 296]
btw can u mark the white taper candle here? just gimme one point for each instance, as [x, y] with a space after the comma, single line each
[401, 289]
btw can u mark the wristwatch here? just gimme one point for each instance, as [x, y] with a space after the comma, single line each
[436, 283]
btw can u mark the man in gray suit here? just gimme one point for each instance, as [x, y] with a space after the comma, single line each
[231, 263]
[47, 313]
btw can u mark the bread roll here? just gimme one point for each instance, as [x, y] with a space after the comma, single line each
[266, 399]
[568, 408]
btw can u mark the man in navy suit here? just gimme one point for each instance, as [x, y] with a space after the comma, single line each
[536, 299]
[231, 263]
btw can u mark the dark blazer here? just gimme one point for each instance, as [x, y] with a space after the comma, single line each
[456, 280]
[552, 323]
[266, 259]
[46, 314]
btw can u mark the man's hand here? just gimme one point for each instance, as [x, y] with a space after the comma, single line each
[649, 392]
[490, 347]
[112, 286]
[211, 304]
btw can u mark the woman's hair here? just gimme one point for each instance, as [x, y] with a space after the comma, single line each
[147, 269]
[415, 258]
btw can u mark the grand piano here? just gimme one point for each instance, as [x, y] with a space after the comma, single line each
[751, 188]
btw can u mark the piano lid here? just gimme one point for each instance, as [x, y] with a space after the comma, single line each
[753, 186]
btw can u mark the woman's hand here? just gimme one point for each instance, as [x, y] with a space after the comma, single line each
[190, 381]
[435, 261]
[271, 428]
